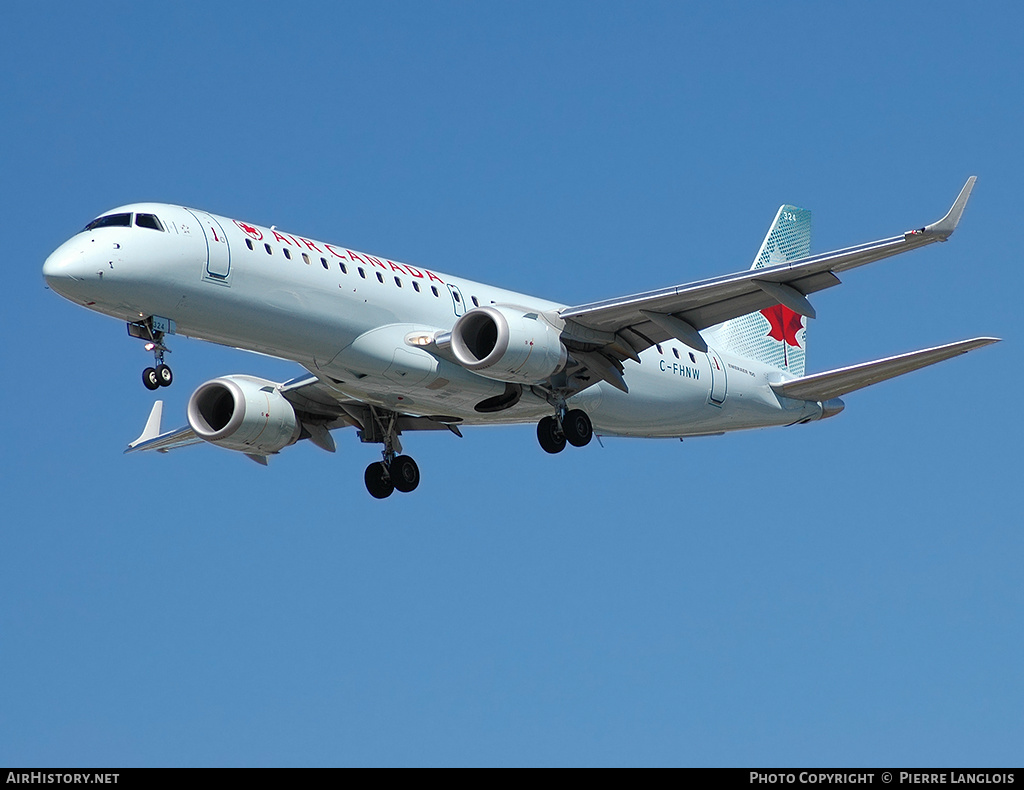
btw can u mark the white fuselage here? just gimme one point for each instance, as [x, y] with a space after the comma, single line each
[346, 316]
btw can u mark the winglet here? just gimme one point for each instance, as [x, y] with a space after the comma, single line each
[944, 227]
[152, 429]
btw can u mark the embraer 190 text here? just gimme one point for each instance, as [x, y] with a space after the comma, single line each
[391, 348]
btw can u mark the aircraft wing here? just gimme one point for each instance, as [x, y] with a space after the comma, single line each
[320, 409]
[617, 329]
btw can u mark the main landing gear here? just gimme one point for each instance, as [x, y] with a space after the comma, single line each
[384, 478]
[571, 426]
[395, 472]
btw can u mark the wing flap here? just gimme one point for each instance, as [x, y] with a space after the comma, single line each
[834, 383]
[312, 395]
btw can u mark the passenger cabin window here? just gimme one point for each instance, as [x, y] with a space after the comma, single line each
[110, 221]
[433, 290]
[248, 243]
[475, 302]
[361, 272]
[676, 352]
[305, 259]
[287, 253]
[415, 286]
[148, 221]
[380, 277]
[659, 348]
[269, 251]
[344, 268]
[323, 262]
[398, 282]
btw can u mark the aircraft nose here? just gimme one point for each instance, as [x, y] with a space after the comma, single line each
[67, 267]
[59, 264]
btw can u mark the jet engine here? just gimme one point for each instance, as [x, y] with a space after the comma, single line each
[243, 413]
[508, 344]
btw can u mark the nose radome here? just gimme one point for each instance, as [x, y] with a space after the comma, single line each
[60, 262]
[67, 266]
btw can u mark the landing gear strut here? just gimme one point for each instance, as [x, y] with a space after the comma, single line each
[160, 374]
[572, 426]
[394, 472]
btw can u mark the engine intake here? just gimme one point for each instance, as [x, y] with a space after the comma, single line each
[243, 413]
[508, 344]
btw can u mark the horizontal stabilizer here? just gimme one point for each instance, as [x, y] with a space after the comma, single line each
[832, 384]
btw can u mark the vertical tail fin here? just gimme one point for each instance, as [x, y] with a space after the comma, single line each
[776, 336]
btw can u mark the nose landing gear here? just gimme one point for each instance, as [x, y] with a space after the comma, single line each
[160, 374]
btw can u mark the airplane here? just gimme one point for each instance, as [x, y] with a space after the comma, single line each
[389, 348]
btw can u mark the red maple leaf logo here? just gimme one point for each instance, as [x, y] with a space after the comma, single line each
[250, 231]
[784, 323]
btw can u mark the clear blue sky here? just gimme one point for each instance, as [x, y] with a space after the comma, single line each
[846, 593]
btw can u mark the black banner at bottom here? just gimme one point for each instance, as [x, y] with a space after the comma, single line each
[880, 777]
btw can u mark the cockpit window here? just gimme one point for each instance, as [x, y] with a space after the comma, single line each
[148, 221]
[111, 221]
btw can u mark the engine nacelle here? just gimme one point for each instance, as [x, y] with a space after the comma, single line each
[243, 413]
[508, 344]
